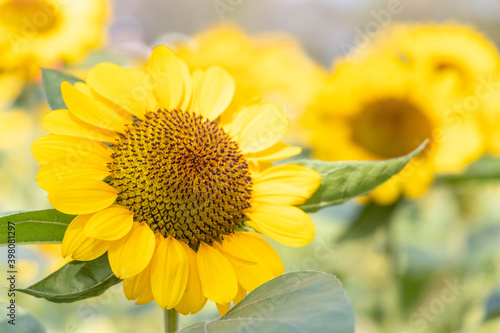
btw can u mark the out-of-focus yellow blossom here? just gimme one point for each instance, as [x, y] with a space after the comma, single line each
[15, 124]
[18, 127]
[460, 57]
[43, 32]
[30, 269]
[11, 85]
[381, 108]
[445, 52]
[52, 253]
[15, 128]
[272, 66]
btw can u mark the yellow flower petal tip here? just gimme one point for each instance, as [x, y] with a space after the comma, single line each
[214, 90]
[79, 246]
[288, 184]
[223, 308]
[169, 272]
[218, 279]
[285, 224]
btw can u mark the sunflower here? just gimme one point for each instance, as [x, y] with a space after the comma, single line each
[171, 184]
[42, 32]
[379, 108]
[451, 52]
[281, 72]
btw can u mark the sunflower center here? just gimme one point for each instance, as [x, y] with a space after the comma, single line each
[182, 175]
[29, 18]
[390, 128]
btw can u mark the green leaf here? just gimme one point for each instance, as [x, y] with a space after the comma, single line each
[485, 169]
[52, 80]
[303, 301]
[35, 227]
[371, 217]
[25, 321]
[492, 306]
[341, 181]
[75, 281]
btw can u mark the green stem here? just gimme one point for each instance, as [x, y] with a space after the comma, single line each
[171, 318]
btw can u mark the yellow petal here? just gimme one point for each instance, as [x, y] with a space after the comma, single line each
[188, 87]
[110, 224]
[77, 196]
[285, 224]
[52, 174]
[193, 299]
[127, 89]
[169, 272]
[262, 250]
[53, 147]
[285, 184]
[131, 255]
[79, 246]
[279, 151]
[251, 271]
[258, 127]
[142, 92]
[223, 308]
[91, 110]
[105, 103]
[218, 279]
[84, 88]
[167, 77]
[63, 123]
[195, 81]
[139, 287]
[240, 295]
[213, 91]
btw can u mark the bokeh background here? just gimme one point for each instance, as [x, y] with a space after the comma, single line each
[431, 264]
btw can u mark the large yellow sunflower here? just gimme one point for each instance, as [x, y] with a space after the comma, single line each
[379, 108]
[168, 183]
[451, 52]
[42, 32]
[280, 70]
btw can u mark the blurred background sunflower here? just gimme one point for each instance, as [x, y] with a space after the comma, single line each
[46, 33]
[362, 79]
[429, 90]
